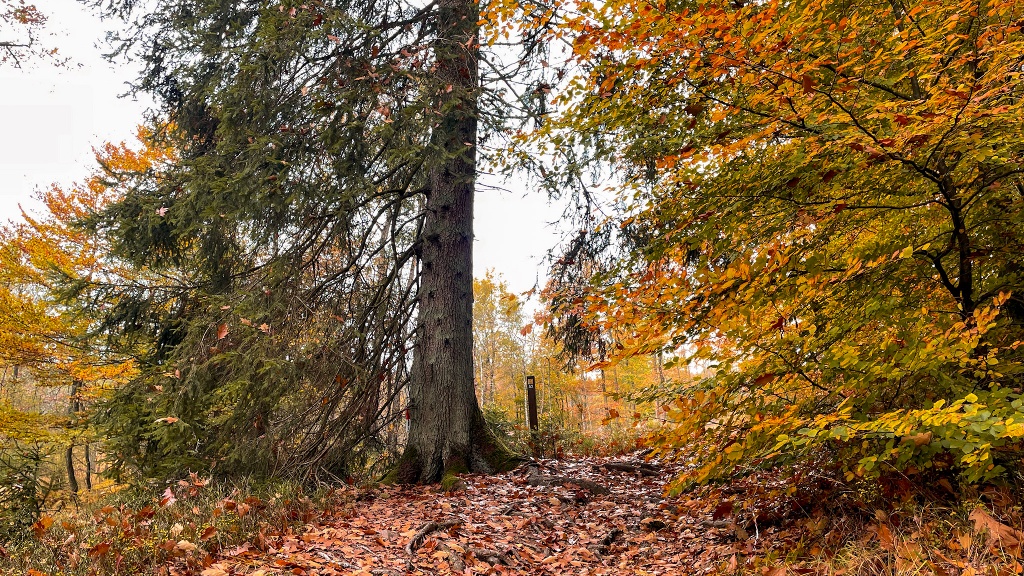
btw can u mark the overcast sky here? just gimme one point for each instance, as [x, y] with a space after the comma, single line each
[51, 118]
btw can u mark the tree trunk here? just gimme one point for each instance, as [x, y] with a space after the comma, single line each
[447, 432]
[88, 467]
[69, 460]
[69, 455]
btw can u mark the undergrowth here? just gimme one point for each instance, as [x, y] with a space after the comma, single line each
[143, 530]
[783, 523]
[554, 439]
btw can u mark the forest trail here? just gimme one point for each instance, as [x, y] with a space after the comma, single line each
[521, 522]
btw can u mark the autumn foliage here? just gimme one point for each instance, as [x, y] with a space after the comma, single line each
[56, 366]
[824, 208]
[806, 292]
[21, 25]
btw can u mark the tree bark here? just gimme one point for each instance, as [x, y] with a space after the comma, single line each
[69, 455]
[88, 467]
[69, 460]
[447, 432]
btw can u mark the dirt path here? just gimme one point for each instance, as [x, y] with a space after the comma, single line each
[524, 522]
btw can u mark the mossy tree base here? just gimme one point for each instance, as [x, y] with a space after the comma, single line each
[485, 455]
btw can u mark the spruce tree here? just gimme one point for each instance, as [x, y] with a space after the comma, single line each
[315, 238]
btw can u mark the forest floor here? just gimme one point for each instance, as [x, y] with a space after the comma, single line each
[584, 516]
[546, 518]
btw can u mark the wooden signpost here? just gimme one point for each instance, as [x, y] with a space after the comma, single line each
[531, 414]
[531, 403]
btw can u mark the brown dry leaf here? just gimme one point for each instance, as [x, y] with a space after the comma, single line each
[41, 526]
[921, 439]
[185, 546]
[99, 549]
[998, 532]
[885, 538]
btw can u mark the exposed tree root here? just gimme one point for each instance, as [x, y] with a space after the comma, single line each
[421, 535]
[426, 530]
[490, 556]
[642, 468]
[535, 479]
[454, 558]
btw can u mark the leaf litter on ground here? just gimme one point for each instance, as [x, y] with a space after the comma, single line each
[589, 516]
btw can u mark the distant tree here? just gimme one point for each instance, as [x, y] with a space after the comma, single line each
[500, 353]
[64, 367]
[20, 27]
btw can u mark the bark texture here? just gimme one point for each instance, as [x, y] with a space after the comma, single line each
[69, 453]
[447, 432]
[88, 467]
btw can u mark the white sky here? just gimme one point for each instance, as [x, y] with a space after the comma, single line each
[51, 118]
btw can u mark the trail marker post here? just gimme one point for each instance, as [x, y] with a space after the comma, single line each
[531, 414]
[531, 403]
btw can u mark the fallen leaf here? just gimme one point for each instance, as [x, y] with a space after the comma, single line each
[41, 526]
[99, 549]
[168, 498]
[998, 532]
[185, 546]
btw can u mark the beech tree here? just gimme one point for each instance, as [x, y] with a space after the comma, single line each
[64, 366]
[319, 226]
[823, 204]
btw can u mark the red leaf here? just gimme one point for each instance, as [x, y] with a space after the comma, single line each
[723, 510]
[99, 549]
[808, 84]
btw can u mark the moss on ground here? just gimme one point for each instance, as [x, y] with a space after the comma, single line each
[407, 471]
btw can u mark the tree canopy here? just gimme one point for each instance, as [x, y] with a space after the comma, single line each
[823, 205]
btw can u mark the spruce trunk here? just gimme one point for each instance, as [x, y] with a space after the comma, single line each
[447, 432]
